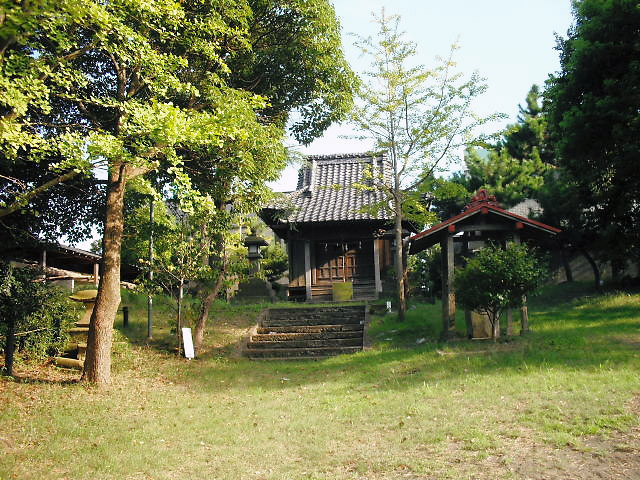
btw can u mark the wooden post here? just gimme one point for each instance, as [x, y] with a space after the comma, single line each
[524, 310]
[468, 319]
[96, 272]
[307, 269]
[376, 267]
[125, 317]
[448, 295]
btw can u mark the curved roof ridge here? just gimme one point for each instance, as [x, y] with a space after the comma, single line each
[337, 156]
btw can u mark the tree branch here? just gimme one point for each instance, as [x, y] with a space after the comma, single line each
[18, 204]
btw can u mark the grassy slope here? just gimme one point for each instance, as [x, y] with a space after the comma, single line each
[547, 402]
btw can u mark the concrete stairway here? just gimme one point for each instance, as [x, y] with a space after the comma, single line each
[308, 332]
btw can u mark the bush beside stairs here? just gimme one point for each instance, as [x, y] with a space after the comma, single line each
[313, 332]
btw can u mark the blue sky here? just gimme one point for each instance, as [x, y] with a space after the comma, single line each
[509, 42]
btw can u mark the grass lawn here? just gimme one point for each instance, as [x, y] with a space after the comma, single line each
[561, 402]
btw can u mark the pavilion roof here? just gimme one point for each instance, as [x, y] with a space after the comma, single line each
[484, 207]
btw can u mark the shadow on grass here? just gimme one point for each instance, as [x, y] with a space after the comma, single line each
[570, 334]
[38, 380]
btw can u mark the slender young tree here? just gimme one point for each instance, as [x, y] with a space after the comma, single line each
[419, 116]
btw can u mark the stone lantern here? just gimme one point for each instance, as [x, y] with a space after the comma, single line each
[253, 244]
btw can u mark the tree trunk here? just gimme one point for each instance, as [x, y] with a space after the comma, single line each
[198, 334]
[468, 321]
[566, 264]
[405, 269]
[10, 346]
[594, 267]
[495, 326]
[97, 364]
[402, 307]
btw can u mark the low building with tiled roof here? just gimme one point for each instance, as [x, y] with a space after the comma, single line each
[335, 224]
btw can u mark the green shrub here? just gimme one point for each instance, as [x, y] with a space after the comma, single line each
[275, 262]
[496, 279]
[38, 313]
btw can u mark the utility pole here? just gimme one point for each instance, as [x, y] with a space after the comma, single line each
[149, 297]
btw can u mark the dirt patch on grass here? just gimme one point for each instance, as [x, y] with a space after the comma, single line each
[612, 457]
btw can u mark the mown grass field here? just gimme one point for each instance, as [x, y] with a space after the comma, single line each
[561, 402]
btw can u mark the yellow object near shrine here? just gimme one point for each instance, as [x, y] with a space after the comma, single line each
[342, 291]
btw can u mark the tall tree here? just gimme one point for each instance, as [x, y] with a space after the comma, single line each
[419, 116]
[513, 168]
[593, 106]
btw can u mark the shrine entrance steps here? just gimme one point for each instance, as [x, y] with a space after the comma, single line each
[312, 332]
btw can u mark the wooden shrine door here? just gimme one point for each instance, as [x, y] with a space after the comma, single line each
[343, 262]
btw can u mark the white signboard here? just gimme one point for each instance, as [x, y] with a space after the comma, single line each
[188, 343]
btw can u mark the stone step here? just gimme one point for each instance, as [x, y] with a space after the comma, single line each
[76, 350]
[327, 312]
[289, 344]
[311, 329]
[279, 337]
[300, 320]
[300, 352]
[79, 334]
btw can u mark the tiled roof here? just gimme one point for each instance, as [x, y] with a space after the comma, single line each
[326, 191]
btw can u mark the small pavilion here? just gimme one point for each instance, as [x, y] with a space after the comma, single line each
[481, 221]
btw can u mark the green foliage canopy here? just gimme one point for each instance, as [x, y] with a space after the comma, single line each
[593, 106]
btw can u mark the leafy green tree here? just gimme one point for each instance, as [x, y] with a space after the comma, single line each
[496, 279]
[593, 104]
[419, 116]
[296, 61]
[68, 209]
[425, 273]
[198, 249]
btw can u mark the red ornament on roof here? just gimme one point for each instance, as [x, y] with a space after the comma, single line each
[482, 197]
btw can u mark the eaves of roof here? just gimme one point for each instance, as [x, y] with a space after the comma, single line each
[486, 207]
